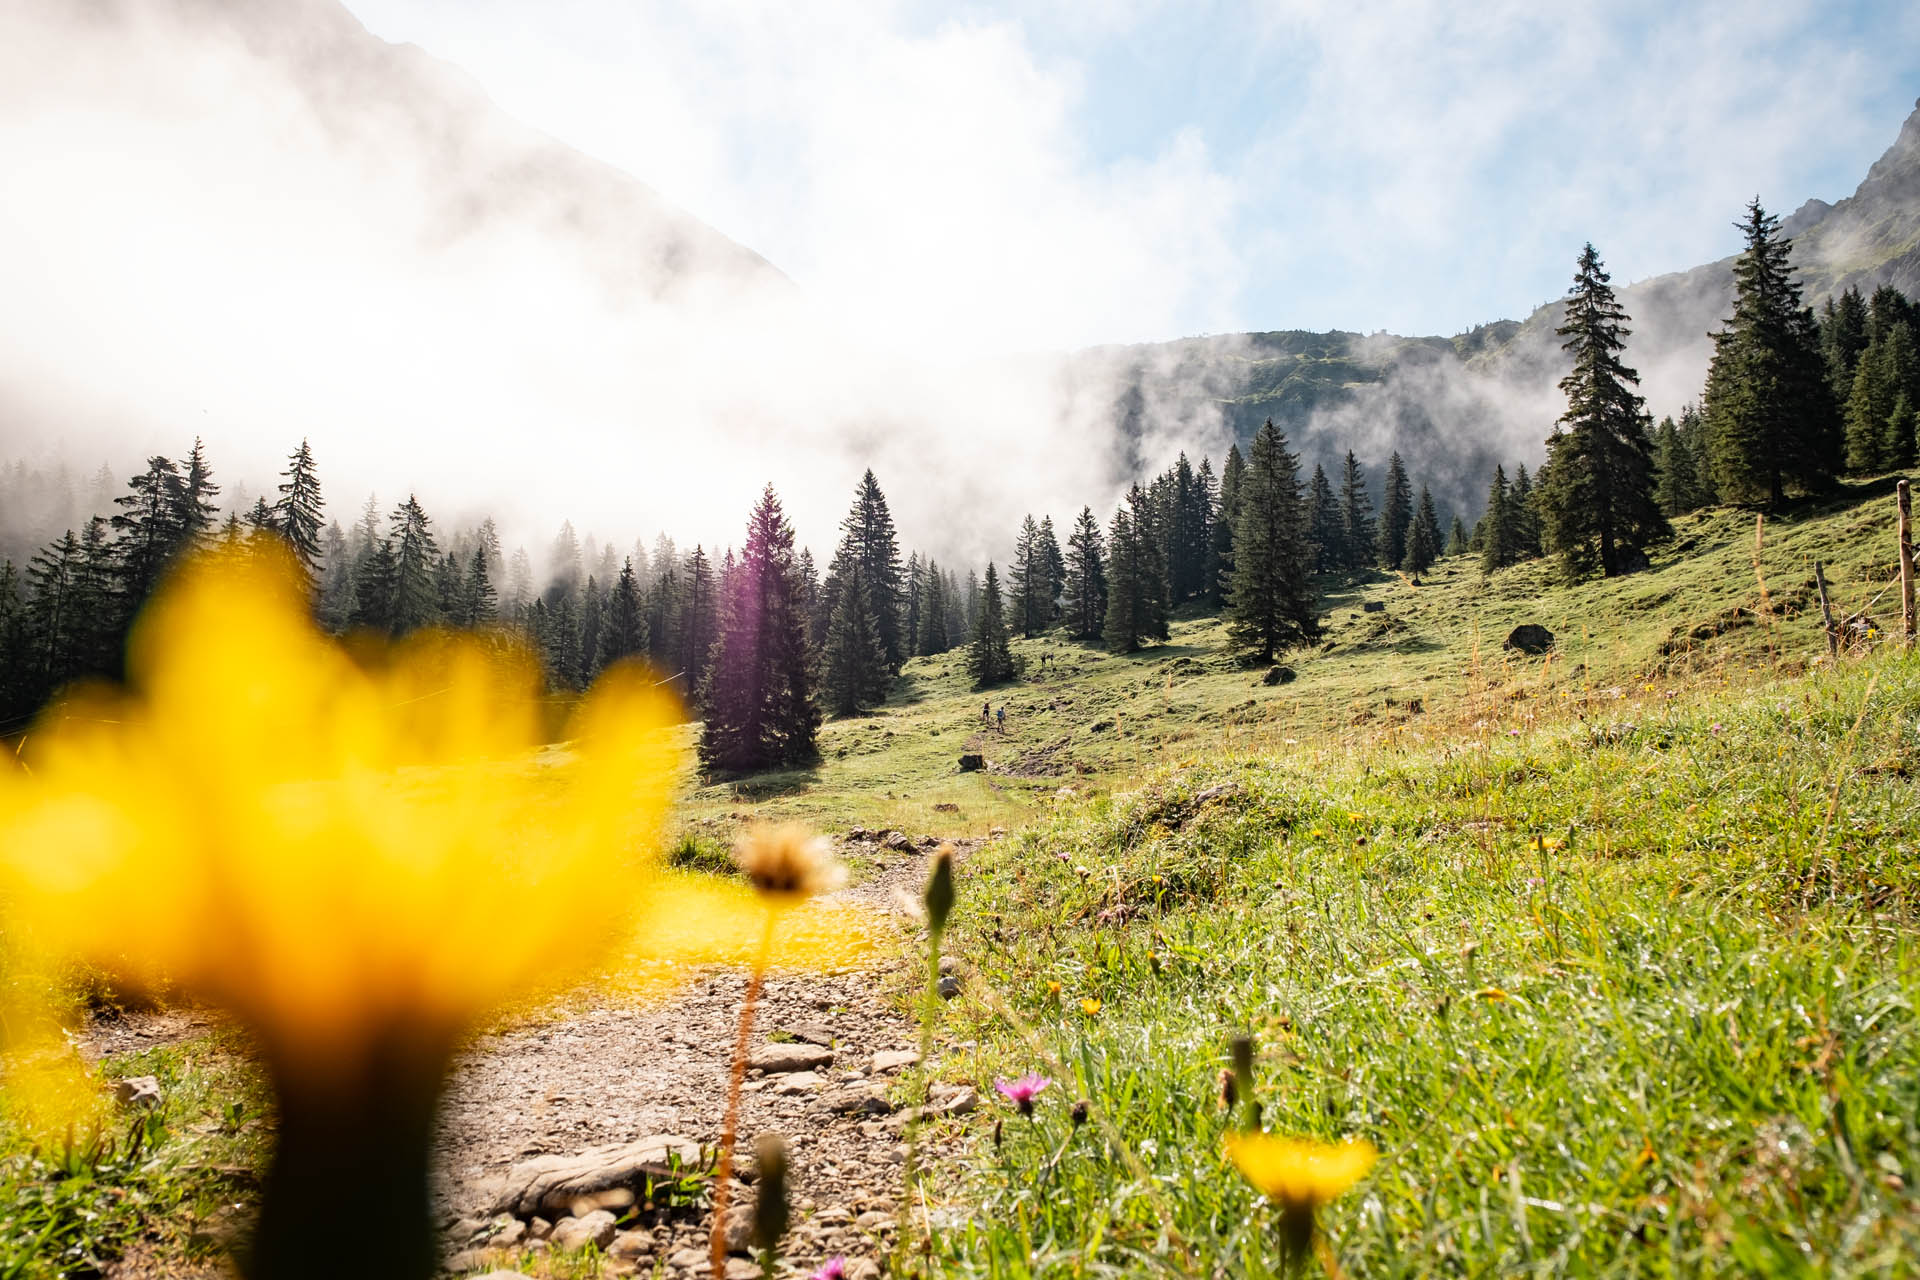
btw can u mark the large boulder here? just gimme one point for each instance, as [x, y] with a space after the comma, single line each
[1529, 637]
[550, 1186]
[972, 762]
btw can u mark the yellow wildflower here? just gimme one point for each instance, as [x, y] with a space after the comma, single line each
[1090, 1006]
[1300, 1176]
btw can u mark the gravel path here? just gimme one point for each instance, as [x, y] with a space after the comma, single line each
[616, 1075]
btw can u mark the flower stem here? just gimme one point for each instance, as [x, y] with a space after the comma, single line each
[723, 1170]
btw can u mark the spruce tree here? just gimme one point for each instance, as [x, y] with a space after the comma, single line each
[934, 637]
[53, 611]
[1596, 498]
[1457, 539]
[1678, 481]
[1226, 518]
[1210, 497]
[335, 606]
[916, 599]
[699, 621]
[626, 633]
[147, 529]
[477, 597]
[1136, 578]
[1528, 534]
[197, 511]
[1271, 605]
[1771, 418]
[1056, 564]
[660, 610]
[990, 655]
[867, 536]
[1027, 580]
[415, 598]
[1843, 337]
[373, 588]
[1423, 537]
[592, 620]
[298, 512]
[19, 697]
[1323, 522]
[1396, 514]
[759, 697]
[1086, 589]
[1189, 517]
[562, 650]
[1357, 533]
[855, 659]
[1497, 549]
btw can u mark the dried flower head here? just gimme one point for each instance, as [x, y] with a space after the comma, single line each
[1081, 1110]
[788, 862]
[770, 1190]
[939, 895]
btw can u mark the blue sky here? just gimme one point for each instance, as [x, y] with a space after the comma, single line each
[1133, 170]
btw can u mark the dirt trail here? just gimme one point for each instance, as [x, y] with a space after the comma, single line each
[614, 1075]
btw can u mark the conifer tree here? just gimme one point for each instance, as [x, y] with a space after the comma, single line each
[563, 644]
[1226, 518]
[1210, 563]
[759, 696]
[1188, 520]
[626, 633]
[1423, 537]
[477, 597]
[1056, 565]
[1457, 539]
[958, 619]
[298, 512]
[373, 588]
[450, 584]
[934, 635]
[1843, 337]
[867, 536]
[1527, 531]
[592, 619]
[1497, 549]
[1888, 369]
[1086, 589]
[336, 580]
[197, 510]
[148, 529]
[855, 658]
[1323, 522]
[1271, 605]
[1357, 533]
[415, 594]
[1027, 581]
[18, 697]
[1596, 499]
[260, 517]
[1771, 418]
[98, 642]
[1678, 483]
[990, 655]
[1136, 578]
[699, 622]
[566, 570]
[1396, 514]
[53, 611]
[916, 598]
[659, 609]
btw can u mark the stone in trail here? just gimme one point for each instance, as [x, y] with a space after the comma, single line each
[594, 1229]
[778, 1059]
[551, 1185]
[893, 1059]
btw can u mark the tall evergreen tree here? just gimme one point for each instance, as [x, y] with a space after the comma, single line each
[1027, 581]
[298, 512]
[1771, 417]
[699, 621]
[1888, 369]
[1497, 543]
[148, 528]
[197, 511]
[759, 693]
[1056, 564]
[1136, 577]
[1843, 337]
[1528, 532]
[1189, 518]
[1086, 590]
[19, 696]
[415, 594]
[373, 588]
[934, 638]
[990, 655]
[1596, 498]
[1356, 516]
[916, 598]
[477, 596]
[1324, 526]
[1271, 605]
[1678, 486]
[592, 620]
[1457, 539]
[1226, 519]
[626, 634]
[867, 536]
[335, 607]
[1424, 537]
[54, 620]
[1396, 514]
[855, 659]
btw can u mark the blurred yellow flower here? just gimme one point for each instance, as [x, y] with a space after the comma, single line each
[1089, 1006]
[1547, 843]
[1298, 1173]
[336, 851]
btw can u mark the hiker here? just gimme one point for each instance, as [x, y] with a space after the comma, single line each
[986, 711]
[1003, 717]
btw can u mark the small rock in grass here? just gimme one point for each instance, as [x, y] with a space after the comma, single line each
[949, 987]
[595, 1229]
[893, 1059]
[138, 1091]
[740, 1228]
[631, 1244]
[778, 1059]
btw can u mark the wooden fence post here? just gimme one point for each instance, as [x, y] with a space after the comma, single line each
[1906, 564]
[1826, 610]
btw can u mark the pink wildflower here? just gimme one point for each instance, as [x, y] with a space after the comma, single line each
[832, 1269]
[1023, 1091]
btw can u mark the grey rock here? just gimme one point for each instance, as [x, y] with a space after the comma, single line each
[507, 1233]
[778, 1059]
[688, 1259]
[813, 1033]
[800, 1082]
[896, 841]
[949, 987]
[631, 1244]
[740, 1228]
[1278, 675]
[855, 1100]
[863, 1269]
[594, 1229]
[949, 964]
[138, 1091]
[551, 1184]
[1374, 606]
[972, 762]
[1529, 637]
[539, 1229]
[893, 1059]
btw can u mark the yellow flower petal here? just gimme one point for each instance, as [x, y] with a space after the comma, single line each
[1299, 1174]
